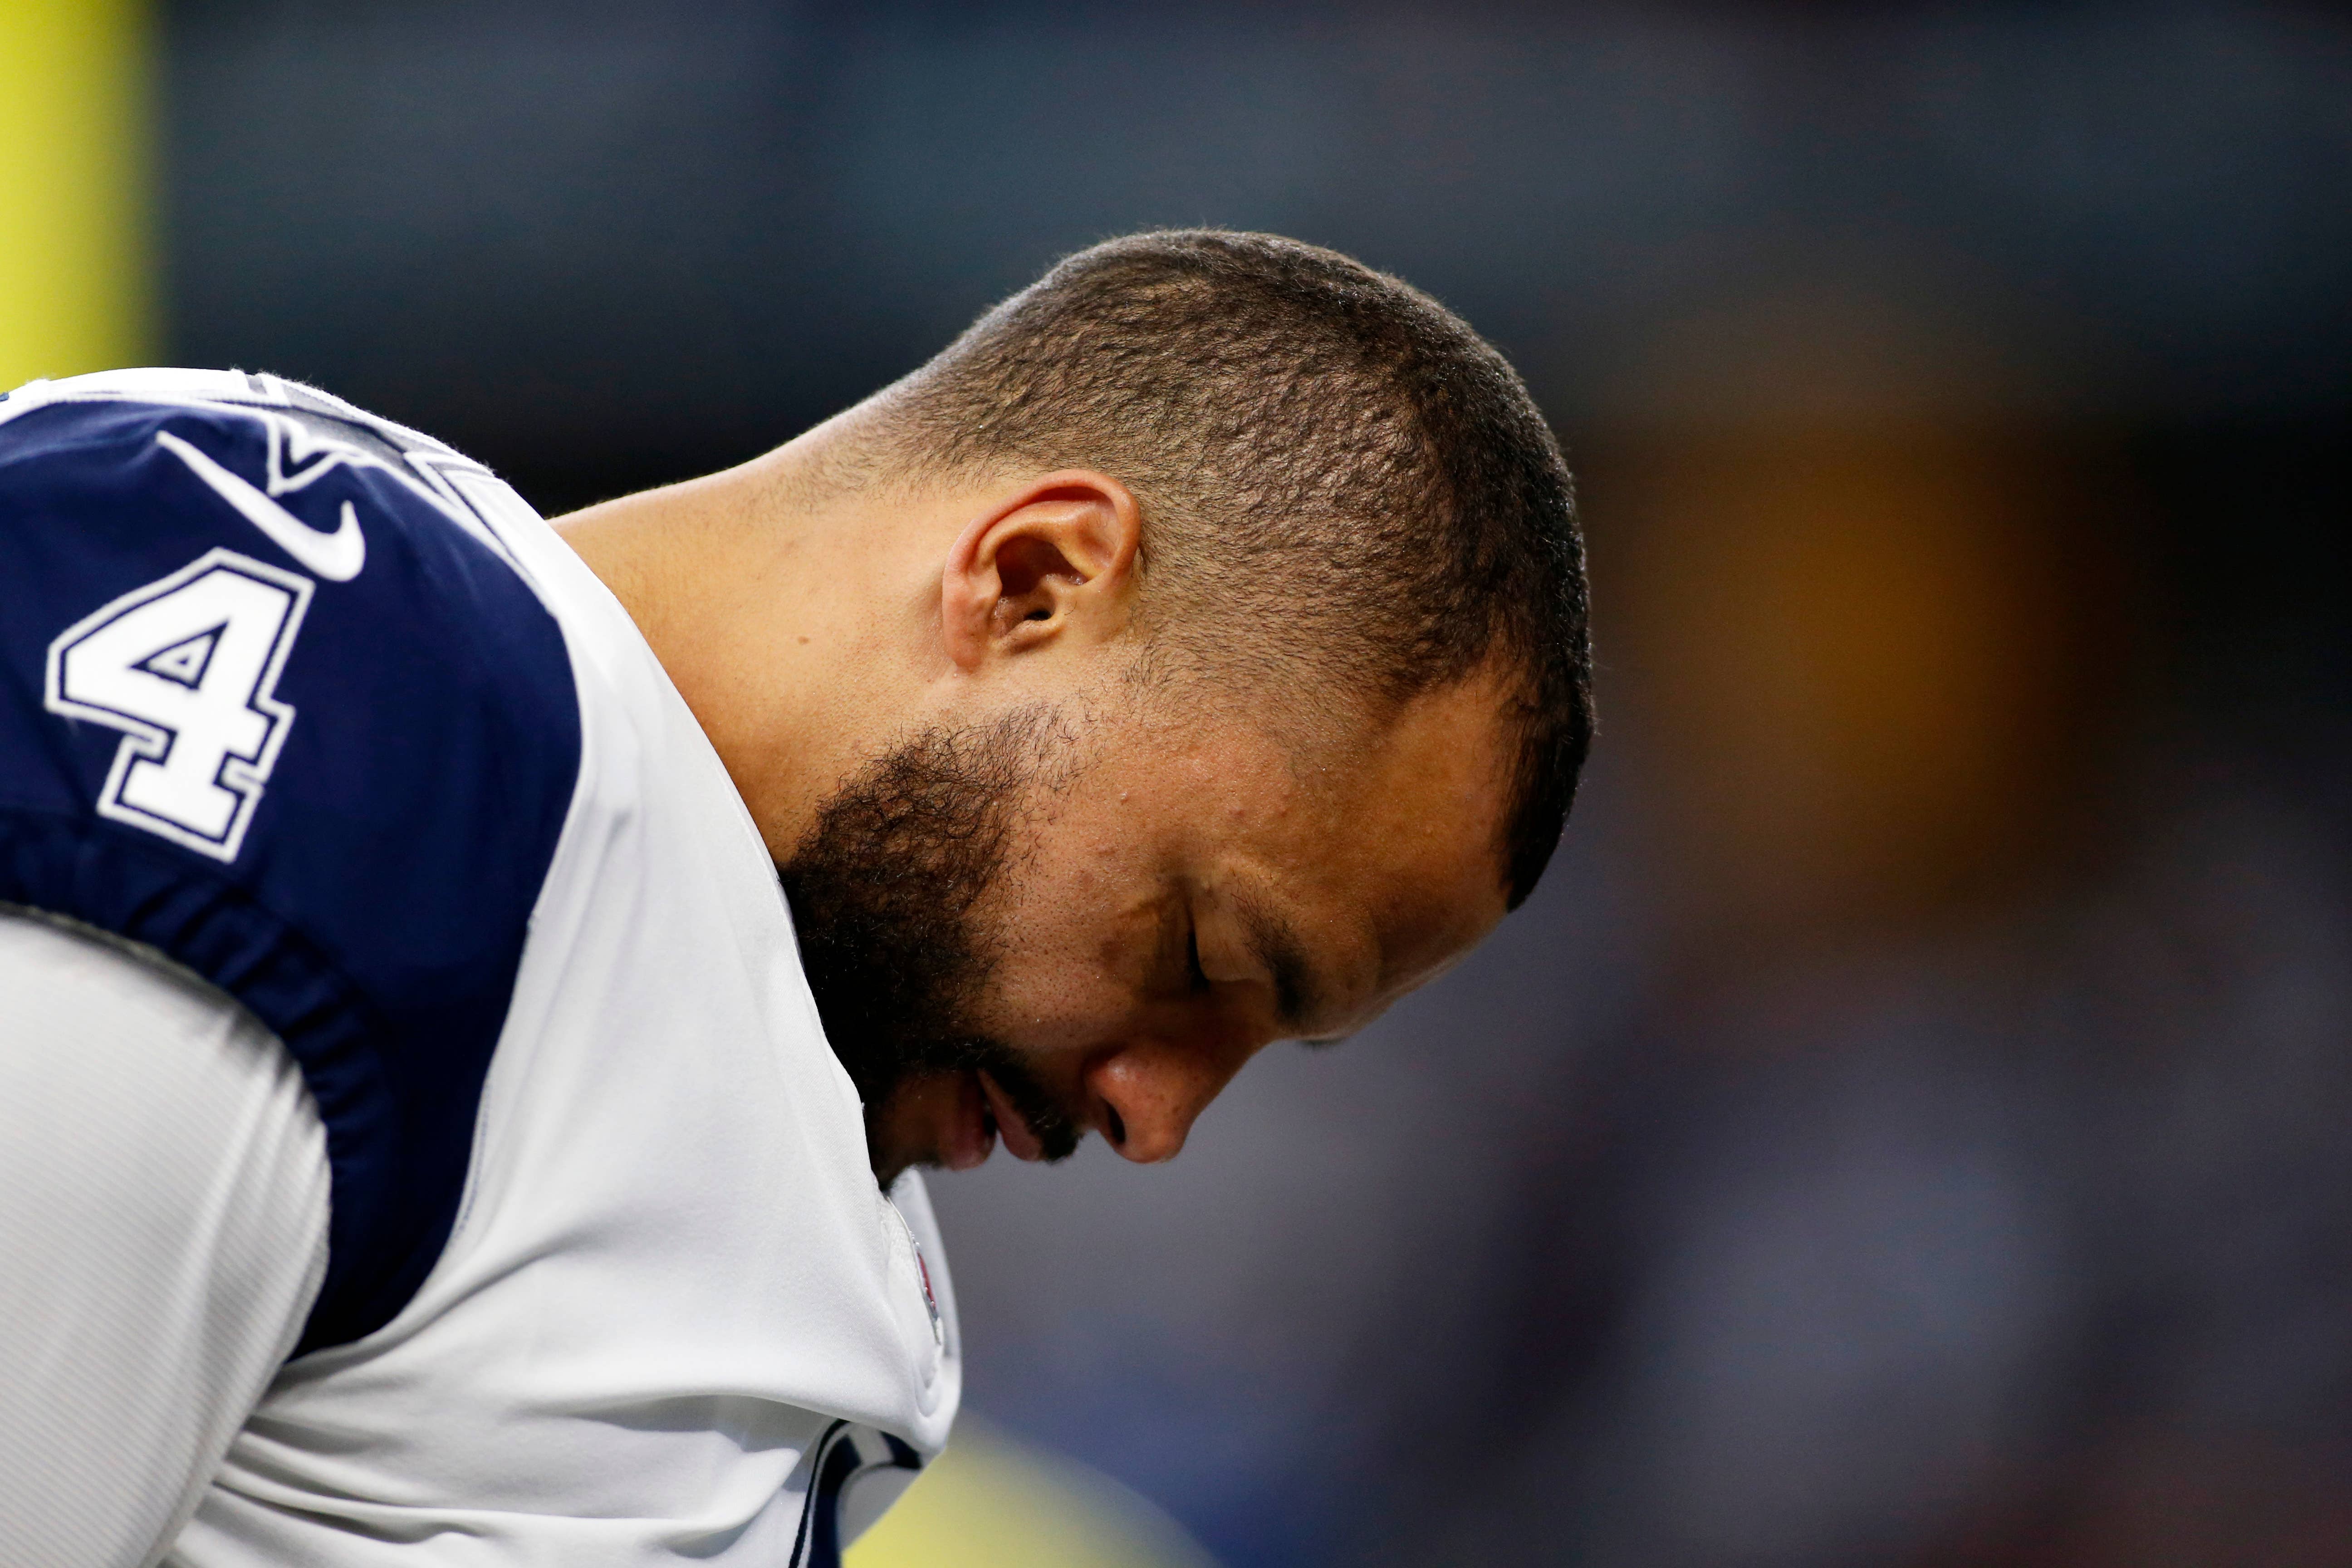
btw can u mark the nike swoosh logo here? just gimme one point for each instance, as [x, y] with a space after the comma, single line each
[336, 556]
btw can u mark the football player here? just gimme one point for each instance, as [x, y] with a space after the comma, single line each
[474, 993]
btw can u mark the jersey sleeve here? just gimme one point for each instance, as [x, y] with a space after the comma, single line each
[275, 701]
[163, 1213]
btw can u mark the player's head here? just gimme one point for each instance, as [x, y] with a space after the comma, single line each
[1264, 690]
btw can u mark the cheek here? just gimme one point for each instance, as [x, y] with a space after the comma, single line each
[1073, 961]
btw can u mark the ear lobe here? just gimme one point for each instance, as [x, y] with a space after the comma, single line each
[1055, 556]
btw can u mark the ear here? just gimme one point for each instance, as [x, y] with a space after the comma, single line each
[1050, 560]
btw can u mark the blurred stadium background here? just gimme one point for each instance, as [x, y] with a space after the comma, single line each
[1913, 1124]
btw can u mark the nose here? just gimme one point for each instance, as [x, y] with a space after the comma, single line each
[1147, 1094]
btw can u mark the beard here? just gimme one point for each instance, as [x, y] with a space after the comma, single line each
[885, 891]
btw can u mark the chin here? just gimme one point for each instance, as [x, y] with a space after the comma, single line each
[903, 1130]
[890, 1152]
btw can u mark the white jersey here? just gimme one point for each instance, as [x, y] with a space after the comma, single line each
[323, 713]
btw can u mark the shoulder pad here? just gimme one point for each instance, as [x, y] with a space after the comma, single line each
[275, 700]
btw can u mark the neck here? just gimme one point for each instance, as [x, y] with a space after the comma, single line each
[762, 593]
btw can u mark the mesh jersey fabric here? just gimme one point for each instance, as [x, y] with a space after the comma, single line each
[163, 1217]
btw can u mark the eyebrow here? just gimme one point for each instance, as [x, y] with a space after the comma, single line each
[1297, 996]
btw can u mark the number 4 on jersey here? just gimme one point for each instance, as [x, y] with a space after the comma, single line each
[186, 668]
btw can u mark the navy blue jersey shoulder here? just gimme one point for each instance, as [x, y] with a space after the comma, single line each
[274, 701]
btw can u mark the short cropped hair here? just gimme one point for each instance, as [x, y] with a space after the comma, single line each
[1326, 458]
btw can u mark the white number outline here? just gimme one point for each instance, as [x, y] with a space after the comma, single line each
[144, 740]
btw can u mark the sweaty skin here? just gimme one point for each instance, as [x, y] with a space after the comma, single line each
[1209, 881]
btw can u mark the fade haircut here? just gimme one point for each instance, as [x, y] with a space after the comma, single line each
[1326, 458]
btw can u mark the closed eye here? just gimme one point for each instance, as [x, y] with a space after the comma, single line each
[1194, 973]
